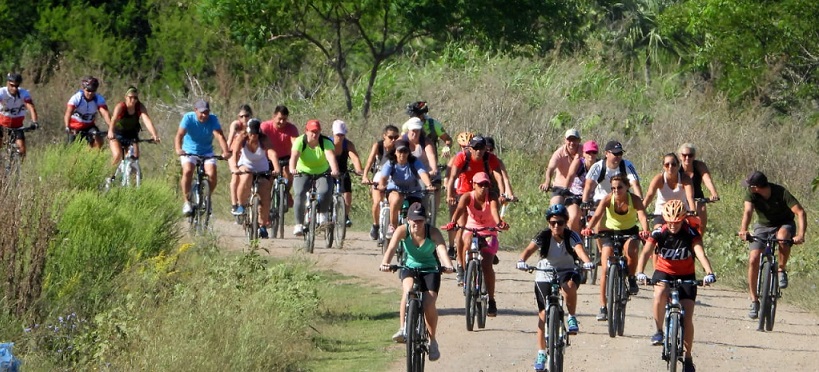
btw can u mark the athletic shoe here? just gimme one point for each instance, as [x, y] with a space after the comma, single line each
[540, 362]
[434, 353]
[783, 279]
[187, 208]
[688, 365]
[233, 210]
[263, 232]
[495, 260]
[374, 232]
[348, 223]
[493, 309]
[451, 252]
[573, 327]
[240, 210]
[399, 336]
[754, 312]
[298, 230]
[657, 339]
[603, 315]
[633, 289]
[390, 231]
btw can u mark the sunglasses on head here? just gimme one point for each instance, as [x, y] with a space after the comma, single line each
[557, 222]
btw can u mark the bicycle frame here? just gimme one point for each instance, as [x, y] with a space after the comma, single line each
[617, 294]
[199, 196]
[311, 211]
[13, 157]
[414, 320]
[250, 218]
[337, 229]
[278, 206]
[557, 336]
[674, 323]
[128, 165]
[475, 290]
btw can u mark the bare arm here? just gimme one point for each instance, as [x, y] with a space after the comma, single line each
[233, 160]
[177, 141]
[493, 207]
[369, 165]
[581, 253]
[354, 157]
[220, 138]
[507, 184]
[641, 211]
[746, 219]
[706, 179]
[550, 170]
[32, 110]
[588, 188]
[461, 208]
[440, 247]
[106, 115]
[294, 160]
[397, 236]
[528, 251]
[431, 157]
[638, 190]
[598, 213]
[699, 251]
[642, 259]
[573, 167]
[147, 120]
[67, 118]
[331, 158]
[655, 185]
[232, 132]
[802, 227]
[688, 187]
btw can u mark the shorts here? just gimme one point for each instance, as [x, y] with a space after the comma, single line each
[284, 162]
[544, 289]
[569, 198]
[607, 242]
[429, 281]
[82, 133]
[192, 159]
[346, 182]
[488, 243]
[18, 134]
[770, 231]
[688, 291]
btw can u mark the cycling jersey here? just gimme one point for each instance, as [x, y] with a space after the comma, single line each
[674, 253]
[617, 221]
[312, 159]
[85, 111]
[13, 107]
[280, 138]
[198, 138]
[604, 186]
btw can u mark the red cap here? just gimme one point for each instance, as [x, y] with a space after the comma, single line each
[313, 125]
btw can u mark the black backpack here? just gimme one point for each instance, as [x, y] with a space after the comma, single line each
[321, 142]
[603, 168]
[547, 236]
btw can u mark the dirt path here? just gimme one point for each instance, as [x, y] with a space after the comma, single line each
[725, 339]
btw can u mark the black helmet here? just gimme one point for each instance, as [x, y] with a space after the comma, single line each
[14, 78]
[557, 210]
[90, 83]
[254, 126]
[490, 143]
[417, 108]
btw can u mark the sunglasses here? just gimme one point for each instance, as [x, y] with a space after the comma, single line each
[592, 152]
[483, 185]
[557, 223]
[672, 164]
[393, 137]
[13, 85]
[618, 154]
[687, 155]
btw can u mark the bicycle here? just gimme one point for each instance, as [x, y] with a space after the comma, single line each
[88, 135]
[250, 218]
[767, 283]
[589, 244]
[557, 336]
[617, 294]
[337, 230]
[13, 157]
[278, 203]
[199, 196]
[674, 323]
[311, 212]
[431, 199]
[128, 165]
[475, 291]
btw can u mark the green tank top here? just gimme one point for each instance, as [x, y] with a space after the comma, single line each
[419, 257]
[616, 221]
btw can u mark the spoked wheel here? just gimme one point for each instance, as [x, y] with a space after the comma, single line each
[471, 289]
[415, 329]
[765, 296]
[253, 215]
[282, 207]
[674, 342]
[384, 223]
[432, 209]
[612, 284]
[329, 234]
[622, 300]
[554, 339]
[204, 206]
[594, 256]
[483, 301]
[339, 221]
[310, 234]
[769, 323]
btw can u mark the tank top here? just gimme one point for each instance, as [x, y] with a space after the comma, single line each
[616, 221]
[127, 122]
[419, 153]
[477, 218]
[419, 256]
[256, 161]
[696, 180]
[665, 193]
[341, 159]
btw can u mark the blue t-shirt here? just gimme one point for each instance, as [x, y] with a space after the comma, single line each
[403, 178]
[198, 138]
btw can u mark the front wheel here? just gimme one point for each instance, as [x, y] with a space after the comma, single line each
[339, 221]
[612, 284]
[282, 206]
[471, 289]
[483, 301]
[767, 277]
[204, 206]
[310, 234]
[554, 339]
[253, 215]
[674, 343]
[384, 224]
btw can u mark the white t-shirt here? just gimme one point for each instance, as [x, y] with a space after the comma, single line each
[604, 187]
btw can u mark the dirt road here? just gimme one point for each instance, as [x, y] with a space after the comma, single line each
[725, 339]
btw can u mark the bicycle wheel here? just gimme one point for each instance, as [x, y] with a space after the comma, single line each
[419, 357]
[412, 338]
[612, 283]
[339, 221]
[765, 295]
[769, 324]
[432, 208]
[310, 235]
[471, 284]
[674, 341]
[204, 206]
[622, 301]
[483, 301]
[137, 171]
[591, 250]
[384, 223]
[253, 215]
[282, 192]
[193, 199]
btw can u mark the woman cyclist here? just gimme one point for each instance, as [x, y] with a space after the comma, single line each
[378, 156]
[81, 112]
[558, 247]
[421, 243]
[481, 212]
[345, 152]
[312, 155]
[622, 210]
[238, 126]
[126, 124]
[674, 246]
[252, 153]
[699, 174]
[402, 172]
[671, 183]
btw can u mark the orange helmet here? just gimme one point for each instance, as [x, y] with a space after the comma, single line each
[673, 211]
[464, 138]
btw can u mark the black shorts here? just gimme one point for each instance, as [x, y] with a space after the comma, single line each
[346, 182]
[18, 134]
[429, 281]
[607, 242]
[688, 291]
[544, 289]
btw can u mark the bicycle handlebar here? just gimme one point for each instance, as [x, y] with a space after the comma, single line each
[674, 283]
[705, 200]
[751, 238]
[418, 270]
[613, 236]
[24, 129]
[475, 230]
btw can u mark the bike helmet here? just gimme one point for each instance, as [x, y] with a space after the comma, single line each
[254, 126]
[673, 211]
[464, 138]
[557, 210]
[14, 78]
[417, 108]
[490, 143]
[90, 83]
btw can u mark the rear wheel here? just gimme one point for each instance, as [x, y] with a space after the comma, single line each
[612, 282]
[471, 283]
[554, 337]
[765, 295]
[674, 340]
[339, 221]
[310, 234]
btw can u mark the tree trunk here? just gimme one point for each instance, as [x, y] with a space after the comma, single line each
[365, 111]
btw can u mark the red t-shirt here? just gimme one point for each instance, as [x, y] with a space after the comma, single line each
[475, 166]
[281, 139]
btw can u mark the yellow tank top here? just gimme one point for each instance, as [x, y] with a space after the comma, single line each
[616, 221]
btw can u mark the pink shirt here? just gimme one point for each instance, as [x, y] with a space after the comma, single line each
[562, 161]
[280, 138]
[477, 218]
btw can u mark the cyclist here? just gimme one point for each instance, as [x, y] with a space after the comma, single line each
[375, 161]
[622, 209]
[126, 126]
[775, 209]
[344, 151]
[14, 101]
[568, 187]
[432, 129]
[251, 152]
[597, 177]
[194, 138]
[402, 172]
[312, 154]
[281, 134]
[81, 111]
[558, 247]
[674, 245]
[419, 145]
[422, 244]
[699, 174]
[490, 148]
[237, 127]
[463, 139]
[671, 183]
[481, 211]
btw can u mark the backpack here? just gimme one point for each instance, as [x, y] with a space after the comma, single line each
[321, 142]
[602, 175]
[544, 248]
[468, 156]
[412, 168]
[431, 134]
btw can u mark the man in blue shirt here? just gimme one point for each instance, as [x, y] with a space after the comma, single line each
[194, 138]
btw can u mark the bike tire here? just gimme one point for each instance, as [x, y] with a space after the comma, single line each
[674, 341]
[471, 294]
[421, 341]
[384, 223]
[622, 301]
[137, 174]
[432, 209]
[765, 295]
[553, 343]
[339, 221]
[193, 218]
[775, 291]
[282, 206]
[482, 306]
[612, 280]
[310, 235]
[412, 338]
[594, 256]
[204, 206]
[253, 214]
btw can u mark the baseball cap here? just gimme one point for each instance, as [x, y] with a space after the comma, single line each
[416, 212]
[590, 146]
[401, 144]
[572, 133]
[755, 178]
[414, 124]
[480, 177]
[201, 105]
[313, 125]
[254, 126]
[614, 146]
[339, 127]
[477, 143]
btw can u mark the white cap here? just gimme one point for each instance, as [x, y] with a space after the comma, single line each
[572, 133]
[413, 124]
[339, 127]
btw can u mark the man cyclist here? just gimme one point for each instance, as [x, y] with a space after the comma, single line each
[312, 154]
[194, 138]
[377, 158]
[598, 177]
[674, 246]
[14, 101]
[281, 134]
[345, 151]
[775, 209]
[564, 165]
[81, 112]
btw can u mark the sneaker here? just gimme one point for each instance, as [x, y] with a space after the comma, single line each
[783, 279]
[298, 230]
[233, 210]
[633, 289]
[348, 223]
[240, 210]
[657, 339]
[187, 208]
[540, 361]
[495, 260]
[493, 309]
[390, 230]
[434, 353]
[374, 232]
[754, 312]
[399, 336]
[451, 252]
[603, 315]
[459, 276]
[573, 327]
[263, 232]
[688, 365]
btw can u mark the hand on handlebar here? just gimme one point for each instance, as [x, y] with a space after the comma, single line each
[448, 227]
[522, 265]
[799, 239]
[586, 232]
[644, 234]
[545, 187]
[588, 265]
[743, 235]
[384, 267]
[449, 270]
[642, 278]
[710, 278]
[503, 225]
